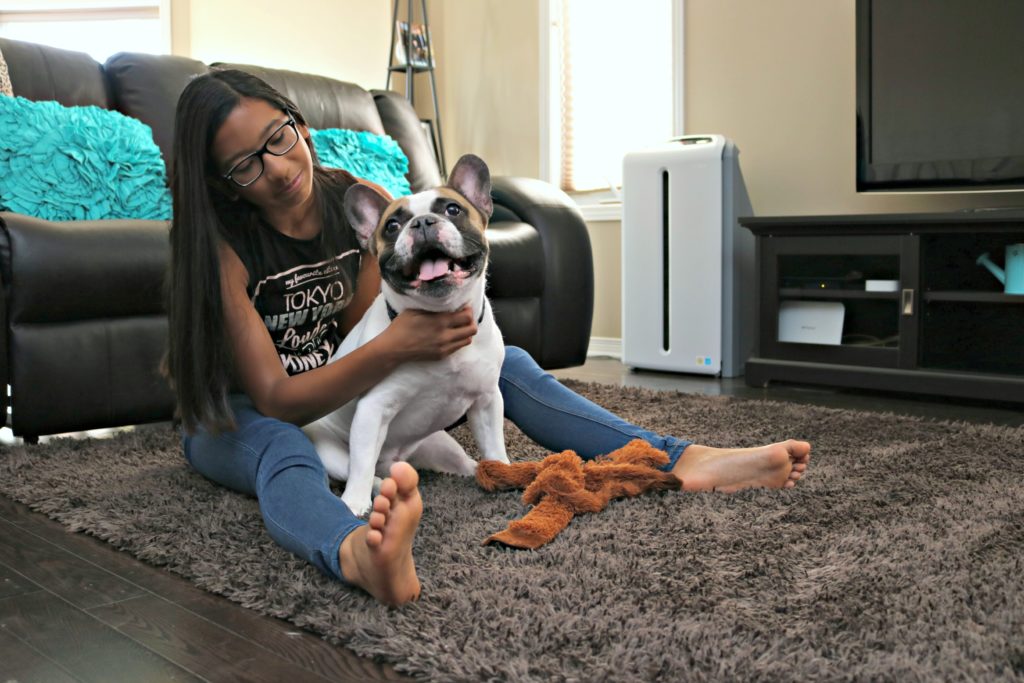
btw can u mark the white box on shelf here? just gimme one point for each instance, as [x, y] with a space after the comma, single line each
[881, 285]
[811, 322]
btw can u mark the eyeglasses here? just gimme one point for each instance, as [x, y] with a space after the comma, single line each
[249, 169]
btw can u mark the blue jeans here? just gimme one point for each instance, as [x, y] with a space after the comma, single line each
[559, 419]
[275, 461]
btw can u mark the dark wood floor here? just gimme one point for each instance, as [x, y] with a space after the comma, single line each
[74, 609]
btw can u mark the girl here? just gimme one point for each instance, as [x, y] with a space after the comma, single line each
[260, 249]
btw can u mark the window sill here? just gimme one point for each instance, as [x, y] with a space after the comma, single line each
[598, 206]
[600, 212]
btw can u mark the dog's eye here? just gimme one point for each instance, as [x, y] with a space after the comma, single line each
[391, 227]
[453, 209]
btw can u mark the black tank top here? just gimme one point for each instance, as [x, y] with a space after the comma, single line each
[299, 290]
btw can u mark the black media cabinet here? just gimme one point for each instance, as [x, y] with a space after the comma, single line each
[948, 329]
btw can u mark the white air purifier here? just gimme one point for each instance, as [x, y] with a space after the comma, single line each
[688, 286]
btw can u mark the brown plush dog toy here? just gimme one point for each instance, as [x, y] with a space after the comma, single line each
[562, 486]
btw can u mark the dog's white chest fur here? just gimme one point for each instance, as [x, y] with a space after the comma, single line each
[404, 416]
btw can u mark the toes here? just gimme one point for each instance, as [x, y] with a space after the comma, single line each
[374, 538]
[382, 504]
[405, 477]
[799, 451]
[388, 488]
[378, 520]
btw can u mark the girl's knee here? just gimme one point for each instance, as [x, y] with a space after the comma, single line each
[516, 361]
[284, 446]
[277, 435]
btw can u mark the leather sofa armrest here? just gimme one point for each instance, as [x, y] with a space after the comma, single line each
[567, 304]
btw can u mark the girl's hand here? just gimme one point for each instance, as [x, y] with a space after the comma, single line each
[421, 335]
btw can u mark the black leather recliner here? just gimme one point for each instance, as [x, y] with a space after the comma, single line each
[82, 325]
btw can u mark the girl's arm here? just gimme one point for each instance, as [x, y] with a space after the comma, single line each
[302, 398]
[367, 289]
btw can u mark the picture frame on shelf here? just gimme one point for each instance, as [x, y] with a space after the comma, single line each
[419, 35]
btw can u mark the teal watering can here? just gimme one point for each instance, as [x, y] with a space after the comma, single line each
[1013, 276]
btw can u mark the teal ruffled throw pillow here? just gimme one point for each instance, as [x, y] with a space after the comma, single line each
[377, 158]
[78, 163]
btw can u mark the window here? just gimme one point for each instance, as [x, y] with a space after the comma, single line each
[99, 28]
[614, 84]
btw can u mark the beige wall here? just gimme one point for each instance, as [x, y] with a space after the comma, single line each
[487, 66]
[344, 39]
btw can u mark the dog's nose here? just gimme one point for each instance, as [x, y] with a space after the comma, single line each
[423, 222]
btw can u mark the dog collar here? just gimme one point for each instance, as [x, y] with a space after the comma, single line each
[392, 313]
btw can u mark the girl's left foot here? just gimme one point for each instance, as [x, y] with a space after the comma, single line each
[377, 556]
[778, 465]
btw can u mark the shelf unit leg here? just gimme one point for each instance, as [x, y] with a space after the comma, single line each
[433, 91]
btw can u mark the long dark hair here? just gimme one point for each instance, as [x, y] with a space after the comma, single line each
[198, 362]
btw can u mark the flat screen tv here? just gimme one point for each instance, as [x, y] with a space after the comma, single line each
[940, 95]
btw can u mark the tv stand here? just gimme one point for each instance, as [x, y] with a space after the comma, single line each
[947, 329]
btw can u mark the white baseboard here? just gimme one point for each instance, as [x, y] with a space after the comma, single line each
[605, 346]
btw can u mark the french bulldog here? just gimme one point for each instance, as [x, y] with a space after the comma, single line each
[432, 253]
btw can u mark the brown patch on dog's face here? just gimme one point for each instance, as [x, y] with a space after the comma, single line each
[472, 216]
[397, 210]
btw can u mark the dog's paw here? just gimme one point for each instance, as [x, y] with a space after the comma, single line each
[468, 468]
[359, 504]
[502, 458]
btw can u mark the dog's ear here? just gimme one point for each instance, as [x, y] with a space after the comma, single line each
[472, 180]
[363, 208]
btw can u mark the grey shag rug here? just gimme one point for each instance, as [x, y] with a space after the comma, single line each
[899, 556]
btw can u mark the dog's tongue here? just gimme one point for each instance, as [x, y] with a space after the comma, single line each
[431, 270]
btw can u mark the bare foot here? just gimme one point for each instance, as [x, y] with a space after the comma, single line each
[378, 557]
[778, 465]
